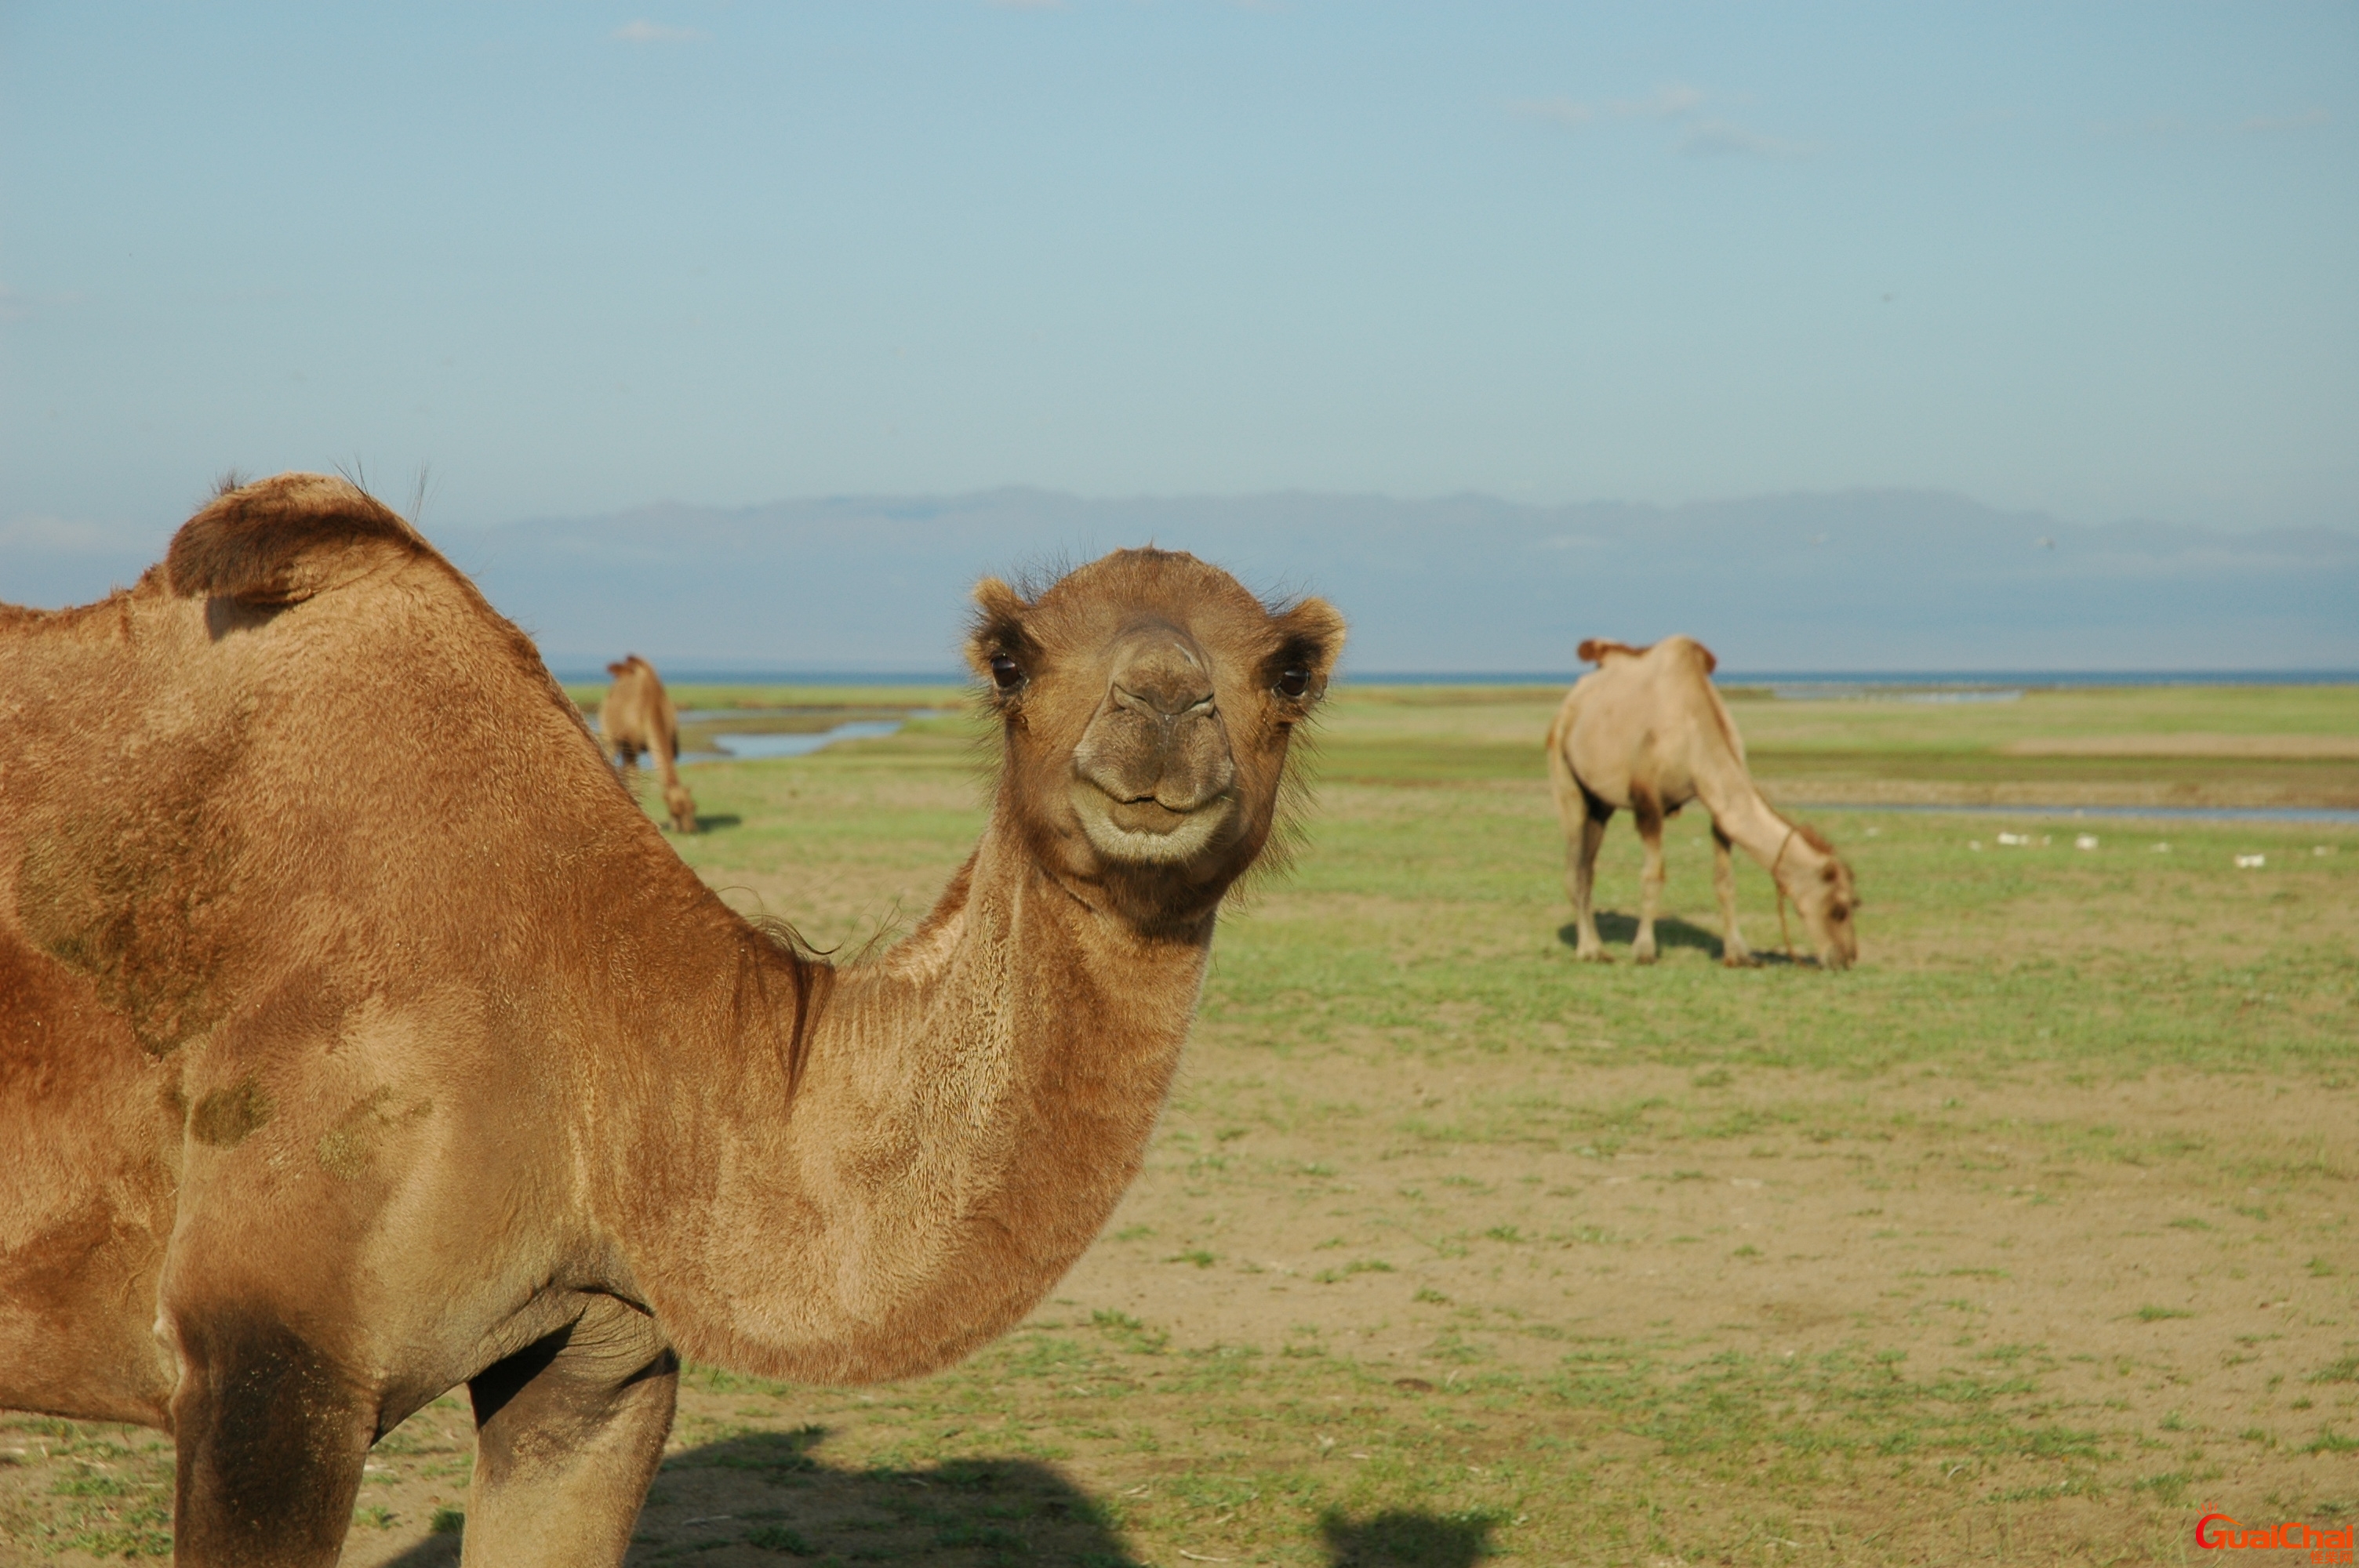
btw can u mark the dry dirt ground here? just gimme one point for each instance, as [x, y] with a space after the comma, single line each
[1457, 1280]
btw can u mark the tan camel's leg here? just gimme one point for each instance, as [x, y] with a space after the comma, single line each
[1581, 878]
[568, 1435]
[1732, 950]
[1648, 816]
[271, 1440]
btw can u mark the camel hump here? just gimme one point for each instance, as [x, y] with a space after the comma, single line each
[1696, 650]
[1597, 649]
[282, 539]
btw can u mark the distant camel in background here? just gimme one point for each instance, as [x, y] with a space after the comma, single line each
[1647, 733]
[637, 716]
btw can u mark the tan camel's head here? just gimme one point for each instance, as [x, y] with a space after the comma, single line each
[1820, 883]
[680, 806]
[1148, 701]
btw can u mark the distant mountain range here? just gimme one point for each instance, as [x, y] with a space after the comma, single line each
[1860, 580]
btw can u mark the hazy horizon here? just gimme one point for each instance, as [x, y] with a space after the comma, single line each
[1794, 329]
[571, 257]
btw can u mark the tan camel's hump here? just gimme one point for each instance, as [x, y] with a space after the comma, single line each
[1597, 649]
[1679, 641]
[282, 540]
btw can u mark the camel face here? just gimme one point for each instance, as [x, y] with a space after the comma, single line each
[1826, 899]
[1149, 701]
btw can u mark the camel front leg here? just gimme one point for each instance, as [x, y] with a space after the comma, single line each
[568, 1434]
[1581, 882]
[271, 1439]
[1649, 818]
[1732, 950]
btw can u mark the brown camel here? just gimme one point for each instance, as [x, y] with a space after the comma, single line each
[637, 716]
[1646, 732]
[334, 1075]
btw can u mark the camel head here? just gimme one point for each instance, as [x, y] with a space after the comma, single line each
[1147, 701]
[1820, 883]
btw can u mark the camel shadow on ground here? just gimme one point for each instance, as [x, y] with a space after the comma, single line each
[714, 821]
[762, 1498]
[1620, 930]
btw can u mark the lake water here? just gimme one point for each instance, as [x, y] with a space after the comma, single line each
[744, 748]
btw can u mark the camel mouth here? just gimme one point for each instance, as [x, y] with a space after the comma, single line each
[1147, 816]
[1145, 831]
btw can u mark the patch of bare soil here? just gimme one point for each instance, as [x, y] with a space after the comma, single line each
[1843, 1210]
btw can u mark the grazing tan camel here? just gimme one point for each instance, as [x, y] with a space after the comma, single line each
[334, 1075]
[637, 716]
[1646, 732]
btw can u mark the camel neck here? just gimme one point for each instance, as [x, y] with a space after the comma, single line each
[896, 1160]
[1747, 820]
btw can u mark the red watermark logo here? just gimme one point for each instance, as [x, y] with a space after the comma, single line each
[2215, 1532]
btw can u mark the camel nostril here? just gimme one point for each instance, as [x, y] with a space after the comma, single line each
[1163, 702]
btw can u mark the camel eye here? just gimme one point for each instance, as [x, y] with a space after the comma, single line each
[1294, 682]
[1005, 674]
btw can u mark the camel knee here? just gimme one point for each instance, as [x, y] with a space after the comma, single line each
[271, 1437]
[568, 1433]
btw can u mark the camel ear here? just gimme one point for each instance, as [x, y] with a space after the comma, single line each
[1710, 663]
[619, 669]
[997, 633]
[1311, 639]
[281, 540]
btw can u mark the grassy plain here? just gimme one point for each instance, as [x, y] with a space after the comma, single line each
[2027, 1240]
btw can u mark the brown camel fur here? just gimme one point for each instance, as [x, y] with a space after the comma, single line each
[334, 1074]
[637, 716]
[1646, 732]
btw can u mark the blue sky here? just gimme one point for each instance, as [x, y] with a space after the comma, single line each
[2102, 259]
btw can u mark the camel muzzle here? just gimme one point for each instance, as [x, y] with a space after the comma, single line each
[1154, 777]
